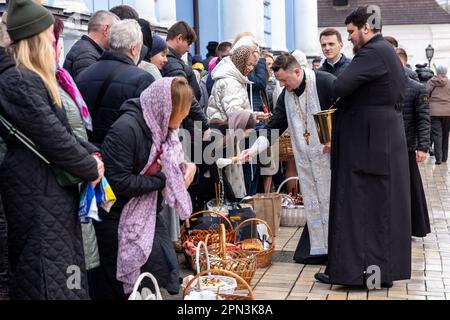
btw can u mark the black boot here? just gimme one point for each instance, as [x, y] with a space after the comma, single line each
[322, 277]
[387, 285]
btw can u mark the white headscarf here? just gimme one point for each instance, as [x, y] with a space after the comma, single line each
[245, 41]
[301, 58]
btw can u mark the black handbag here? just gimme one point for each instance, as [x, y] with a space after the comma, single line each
[64, 178]
[239, 215]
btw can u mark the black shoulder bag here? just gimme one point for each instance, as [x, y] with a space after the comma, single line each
[64, 178]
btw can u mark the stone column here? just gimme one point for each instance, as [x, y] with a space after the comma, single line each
[166, 12]
[278, 25]
[306, 27]
[147, 10]
[240, 16]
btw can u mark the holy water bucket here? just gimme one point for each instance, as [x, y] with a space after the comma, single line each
[324, 125]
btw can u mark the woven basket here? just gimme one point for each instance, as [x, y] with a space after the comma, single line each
[291, 215]
[200, 235]
[197, 236]
[286, 151]
[226, 257]
[232, 297]
[263, 258]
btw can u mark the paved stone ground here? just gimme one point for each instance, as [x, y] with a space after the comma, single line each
[430, 264]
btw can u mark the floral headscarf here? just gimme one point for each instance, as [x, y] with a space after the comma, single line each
[138, 218]
[241, 57]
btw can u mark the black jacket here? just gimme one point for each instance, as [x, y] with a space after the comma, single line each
[84, 53]
[338, 68]
[129, 83]
[4, 267]
[44, 232]
[416, 115]
[126, 150]
[411, 74]
[259, 82]
[175, 67]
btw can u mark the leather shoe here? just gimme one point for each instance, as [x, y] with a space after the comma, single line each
[322, 277]
[438, 163]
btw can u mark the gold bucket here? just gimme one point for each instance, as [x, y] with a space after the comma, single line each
[324, 125]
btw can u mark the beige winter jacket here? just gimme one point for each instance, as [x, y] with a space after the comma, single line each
[229, 93]
[439, 89]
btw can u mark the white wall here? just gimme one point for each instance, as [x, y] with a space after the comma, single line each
[243, 16]
[278, 8]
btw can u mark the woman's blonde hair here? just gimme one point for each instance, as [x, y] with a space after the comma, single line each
[182, 96]
[37, 54]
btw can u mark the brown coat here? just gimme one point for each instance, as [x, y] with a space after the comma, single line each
[439, 89]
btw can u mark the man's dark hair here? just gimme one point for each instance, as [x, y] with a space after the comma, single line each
[285, 61]
[125, 12]
[331, 32]
[392, 41]
[222, 48]
[360, 17]
[184, 29]
[317, 59]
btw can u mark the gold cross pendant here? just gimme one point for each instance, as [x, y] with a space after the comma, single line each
[307, 135]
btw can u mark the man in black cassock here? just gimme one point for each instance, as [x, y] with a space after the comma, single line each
[370, 213]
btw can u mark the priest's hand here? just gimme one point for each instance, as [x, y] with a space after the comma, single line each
[327, 149]
[247, 155]
[261, 116]
[421, 156]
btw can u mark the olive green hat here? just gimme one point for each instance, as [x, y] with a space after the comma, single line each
[27, 18]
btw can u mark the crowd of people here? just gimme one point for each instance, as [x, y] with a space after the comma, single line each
[127, 105]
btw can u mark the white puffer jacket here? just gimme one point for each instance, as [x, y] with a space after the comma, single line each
[229, 93]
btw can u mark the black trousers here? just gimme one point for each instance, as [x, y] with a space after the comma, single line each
[420, 219]
[440, 127]
[4, 264]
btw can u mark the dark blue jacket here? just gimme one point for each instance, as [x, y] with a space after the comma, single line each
[129, 83]
[338, 68]
[259, 79]
[83, 54]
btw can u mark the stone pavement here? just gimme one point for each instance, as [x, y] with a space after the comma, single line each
[285, 280]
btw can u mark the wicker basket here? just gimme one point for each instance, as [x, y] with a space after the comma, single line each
[226, 257]
[222, 296]
[291, 215]
[286, 151]
[263, 258]
[200, 235]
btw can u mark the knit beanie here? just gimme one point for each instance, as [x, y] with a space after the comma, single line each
[26, 19]
[159, 45]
